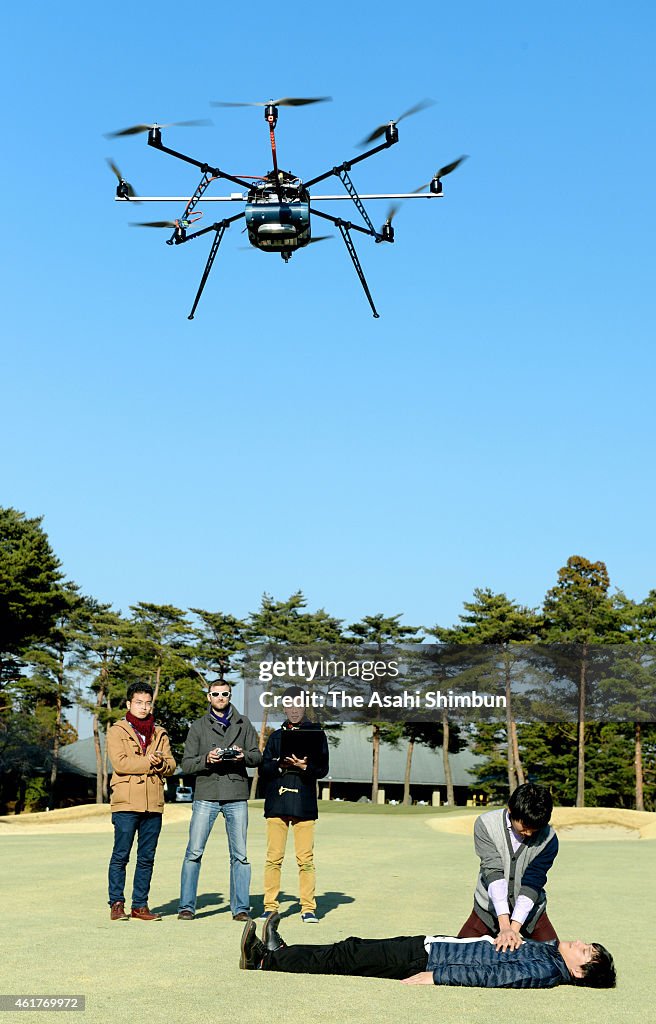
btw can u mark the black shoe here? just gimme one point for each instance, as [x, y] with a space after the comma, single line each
[252, 950]
[270, 936]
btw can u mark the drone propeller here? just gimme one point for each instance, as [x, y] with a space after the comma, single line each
[135, 129]
[443, 171]
[153, 224]
[288, 101]
[121, 180]
[382, 128]
[392, 212]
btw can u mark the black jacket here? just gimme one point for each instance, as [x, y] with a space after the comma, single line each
[292, 794]
[227, 780]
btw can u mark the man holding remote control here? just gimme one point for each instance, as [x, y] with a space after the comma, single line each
[219, 748]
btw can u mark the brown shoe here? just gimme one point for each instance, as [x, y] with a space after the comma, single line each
[144, 914]
[186, 915]
[241, 917]
[117, 911]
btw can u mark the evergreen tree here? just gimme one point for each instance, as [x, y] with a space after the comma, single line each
[495, 619]
[579, 610]
[53, 681]
[380, 631]
[104, 641]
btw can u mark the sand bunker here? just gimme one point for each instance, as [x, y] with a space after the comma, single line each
[77, 820]
[580, 823]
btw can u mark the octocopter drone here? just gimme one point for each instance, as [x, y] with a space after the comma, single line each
[278, 206]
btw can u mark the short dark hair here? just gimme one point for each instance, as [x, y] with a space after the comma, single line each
[600, 971]
[219, 682]
[139, 688]
[531, 804]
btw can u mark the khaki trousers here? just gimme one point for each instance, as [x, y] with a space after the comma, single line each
[277, 832]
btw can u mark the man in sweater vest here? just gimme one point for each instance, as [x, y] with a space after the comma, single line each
[516, 846]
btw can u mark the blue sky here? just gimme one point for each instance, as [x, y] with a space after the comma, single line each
[496, 419]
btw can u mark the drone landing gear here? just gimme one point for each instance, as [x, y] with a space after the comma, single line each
[220, 231]
[219, 228]
[345, 228]
[348, 241]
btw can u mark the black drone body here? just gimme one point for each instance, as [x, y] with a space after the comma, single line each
[278, 207]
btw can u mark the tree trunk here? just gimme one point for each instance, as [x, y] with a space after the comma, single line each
[96, 742]
[580, 768]
[639, 794]
[261, 744]
[510, 752]
[450, 796]
[105, 788]
[156, 687]
[55, 751]
[521, 778]
[408, 769]
[375, 743]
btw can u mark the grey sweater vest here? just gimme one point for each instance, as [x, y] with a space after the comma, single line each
[493, 846]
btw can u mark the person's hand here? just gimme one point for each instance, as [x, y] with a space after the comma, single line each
[507, 939]
[240, 756]
[300, 763]
[423, 978]
[214, 756]
[156, 759]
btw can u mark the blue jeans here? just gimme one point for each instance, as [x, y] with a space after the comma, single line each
[235, 816]
[127, 824]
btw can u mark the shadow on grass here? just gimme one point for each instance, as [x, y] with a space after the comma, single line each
[208, 899]
[326, 902]
[215, 904]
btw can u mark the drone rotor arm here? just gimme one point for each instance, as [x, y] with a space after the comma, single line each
[155, 140]
[348, 164]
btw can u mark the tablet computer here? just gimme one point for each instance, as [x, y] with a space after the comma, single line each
[302, 743]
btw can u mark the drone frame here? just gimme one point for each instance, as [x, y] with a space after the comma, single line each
[275, 180]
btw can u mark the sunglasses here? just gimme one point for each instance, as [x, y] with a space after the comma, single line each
[219, 693]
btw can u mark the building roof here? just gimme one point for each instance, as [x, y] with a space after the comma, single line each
[351, 755]
[350, 760]
[80, 757]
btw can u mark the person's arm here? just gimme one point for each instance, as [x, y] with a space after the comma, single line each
[251, 748]
[194, 760]
[271, 757]
[124, 761]
[535, 876]
[423, 978]
[490, 857]
[318, 767]
[166, 766]
[492, 871]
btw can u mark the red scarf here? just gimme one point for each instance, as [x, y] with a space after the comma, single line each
[144, 728]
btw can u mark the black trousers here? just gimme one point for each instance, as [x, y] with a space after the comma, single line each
[367, 958]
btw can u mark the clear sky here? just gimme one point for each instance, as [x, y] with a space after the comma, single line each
[497, 419]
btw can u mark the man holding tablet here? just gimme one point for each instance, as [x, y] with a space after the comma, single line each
[295, 756]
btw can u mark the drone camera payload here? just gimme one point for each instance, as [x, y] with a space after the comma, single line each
[277, 206]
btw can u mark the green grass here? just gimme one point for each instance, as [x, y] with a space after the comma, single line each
[378, 874]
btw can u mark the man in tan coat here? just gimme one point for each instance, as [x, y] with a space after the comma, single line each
[141, 758]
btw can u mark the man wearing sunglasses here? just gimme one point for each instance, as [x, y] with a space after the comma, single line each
[220, 747]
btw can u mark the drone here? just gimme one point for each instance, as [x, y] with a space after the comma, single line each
[278, 206]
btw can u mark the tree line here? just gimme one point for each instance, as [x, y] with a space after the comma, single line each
[60, 648]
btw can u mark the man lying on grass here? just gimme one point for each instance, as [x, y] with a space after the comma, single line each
[434, 960]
